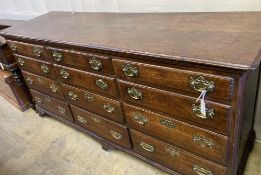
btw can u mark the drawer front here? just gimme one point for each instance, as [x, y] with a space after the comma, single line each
[200, 141]
[173, 157]
[94, 103]
[42, 68]
[217, 115]
[31, 50]
[43, 85]
[98, 83]
[175, 78]
[55, 106]
[88, 61]
[112, 131]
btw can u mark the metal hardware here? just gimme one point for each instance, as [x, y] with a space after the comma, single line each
[37, 51]
[40, 80]
[95, 63]
[20, 61]
[134, 93]
[61, 109]
[147, 147]
[209, 112]
[102, 84]
[64, 74]
[81, 119]
[140, 118]
[95, 119]
[116, 135]
[200, 84]
[174, 152]
[167, 123]
[201, 171]
[108, 107]
[73, 96]
[37, 99]
[13, 47]
[45, 68]
[130, 70]
[49, 100]
[57, 55]
[29, 80]
[53, 88]
[89, 97]
[202, 141]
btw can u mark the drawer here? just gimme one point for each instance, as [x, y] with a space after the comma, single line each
[184, 80]
[112, 131]
[43, 85]
[98, 83]
[87, 61]
[53, 105]
[200, 141]
[173, 157]
[27, 49]
[184, 107]
[94, 103]
[42, 68]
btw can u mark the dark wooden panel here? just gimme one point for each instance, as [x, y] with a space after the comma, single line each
[178, 133]
[86, 80]
[112, 131]
[176, 104]
[44, 85]
[82, 60]
[172, 78]
[42, 68]
[171, 156]
[53, 105]
[94, 103]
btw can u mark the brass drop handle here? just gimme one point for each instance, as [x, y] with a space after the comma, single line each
[116, 135]
[53, 88]
[202, 141]
[147, 147]
[140, 119]
[108, 107]
[102, 84]
[73, 95]
[57, 55]
[95, 63]
[61, 109]
[196, 111]
[37, 51]
[167, 123]
[38, 99]
[29, 80]
[201, 171]
[200, 84]
[45, 68]
[64, 74]
[13, 47]
[130, 70]
[20, 61]
[134, 93]
[81, 119]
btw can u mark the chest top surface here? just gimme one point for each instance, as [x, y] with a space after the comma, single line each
[230, 39]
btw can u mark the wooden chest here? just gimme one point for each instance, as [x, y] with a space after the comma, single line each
[176, 90]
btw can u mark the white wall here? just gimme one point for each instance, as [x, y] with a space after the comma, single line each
[26, 9]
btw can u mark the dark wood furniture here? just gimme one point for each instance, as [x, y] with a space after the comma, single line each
[12, 86]
[132, 81]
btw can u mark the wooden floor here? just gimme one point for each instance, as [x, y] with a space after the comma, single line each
[31, 145]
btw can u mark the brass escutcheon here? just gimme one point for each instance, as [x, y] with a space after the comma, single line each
[209, 112]
[89, 97]
[53, 88]
[130, 70]
[13, 47]
[73, 95]
[57, 55]
[174, 152]
[61, 109]
[45, 68]
[134, 93]
[167, 123]
[81, 119]
[20, 61]
[108, 107]
[37, 51]
[102, 84]
[202, 141]
[29, 80]
[38, 99]
[116, 135]
[140, 118]
[95, 63]
[64, 74]
[147, 147]
[201, 171]
[200, 84]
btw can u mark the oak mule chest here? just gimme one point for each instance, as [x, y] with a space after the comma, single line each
[176, 90]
